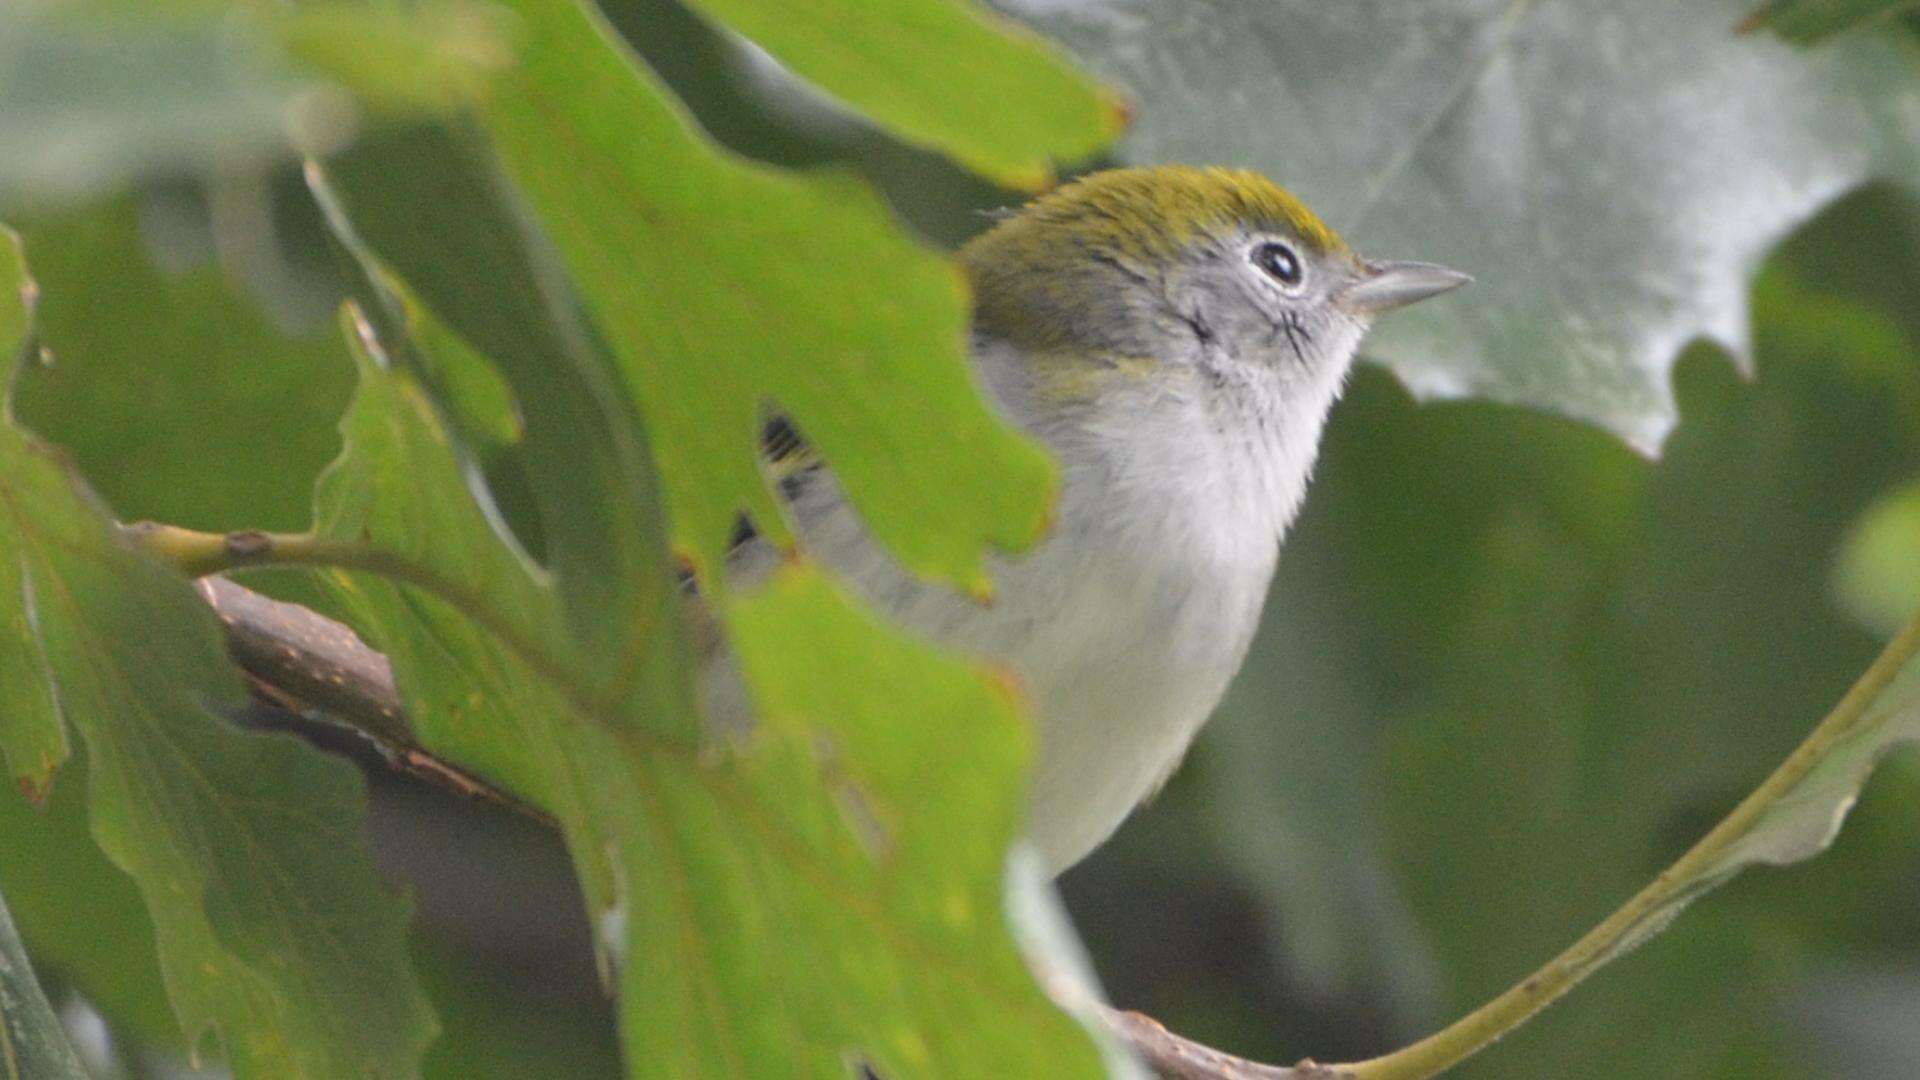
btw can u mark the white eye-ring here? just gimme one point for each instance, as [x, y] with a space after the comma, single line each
[1279, 262]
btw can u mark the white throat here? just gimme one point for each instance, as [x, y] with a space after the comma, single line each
[1126, 623]
[1135, 614]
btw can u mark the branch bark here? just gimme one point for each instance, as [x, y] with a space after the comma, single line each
[320, 670]
[303, 658]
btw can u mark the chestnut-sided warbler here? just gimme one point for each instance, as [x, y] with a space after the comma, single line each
[1176, 337]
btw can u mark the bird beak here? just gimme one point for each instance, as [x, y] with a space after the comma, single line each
[1384, 286]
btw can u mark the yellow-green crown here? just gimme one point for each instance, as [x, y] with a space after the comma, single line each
[1160, 209]
[1037, 277]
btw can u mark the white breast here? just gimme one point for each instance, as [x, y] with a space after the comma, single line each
[1125, 625]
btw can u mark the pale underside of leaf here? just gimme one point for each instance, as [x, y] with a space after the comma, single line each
[1806, 815]
[1610, 173]
[89, 104]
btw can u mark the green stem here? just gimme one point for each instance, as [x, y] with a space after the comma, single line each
[1660, 899]
[198, 554]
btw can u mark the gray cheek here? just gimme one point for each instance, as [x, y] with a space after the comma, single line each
[1267, 325]
[1227, 311]
[1187, 312]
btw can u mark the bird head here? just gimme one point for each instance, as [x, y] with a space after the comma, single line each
[1173, 268]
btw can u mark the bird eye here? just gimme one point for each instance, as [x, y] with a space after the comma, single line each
[1279, 262]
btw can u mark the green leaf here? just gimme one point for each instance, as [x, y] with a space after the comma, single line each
[271, 927]
[32, 737]
[427, 63]
[726, 289]
[33, 1043]
[819, 890]
[433, 207]
[83, 919]
[1877, 577]
[1564, 152]
[1805, 22]
[454, 673]
[912, 845]
[939, 74]
[157, 360]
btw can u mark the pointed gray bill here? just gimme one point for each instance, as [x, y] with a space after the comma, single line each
[1389, 285]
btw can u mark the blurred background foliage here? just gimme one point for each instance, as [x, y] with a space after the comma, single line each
[1510, 669]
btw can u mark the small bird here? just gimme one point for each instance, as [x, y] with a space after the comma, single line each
[1176, 337]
